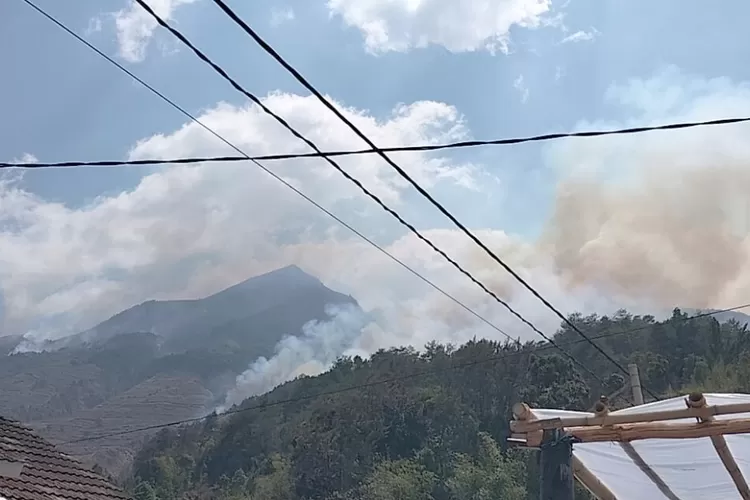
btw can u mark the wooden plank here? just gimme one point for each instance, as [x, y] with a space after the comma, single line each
[659, 430]
[527, 425]
[648, 471]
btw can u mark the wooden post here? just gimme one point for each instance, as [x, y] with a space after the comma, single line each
[635, 383]
[555, 465]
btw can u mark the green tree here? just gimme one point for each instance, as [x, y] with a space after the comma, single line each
[488, 476]
[399, 480]
[144, 491]
[277, 485]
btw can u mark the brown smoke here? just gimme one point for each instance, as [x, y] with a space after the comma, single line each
[675, 236]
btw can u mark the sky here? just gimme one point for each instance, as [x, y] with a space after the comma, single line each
[648, 221]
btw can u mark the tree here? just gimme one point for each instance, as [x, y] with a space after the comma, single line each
[488, 476]
[144, 491]
[439, 435]
[399, 480]
[277, 485]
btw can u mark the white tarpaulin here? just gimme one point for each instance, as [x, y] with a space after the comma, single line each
[691, 468]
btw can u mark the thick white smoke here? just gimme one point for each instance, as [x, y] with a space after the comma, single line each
[310, 353]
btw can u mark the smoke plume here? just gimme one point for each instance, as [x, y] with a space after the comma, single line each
[310, 353]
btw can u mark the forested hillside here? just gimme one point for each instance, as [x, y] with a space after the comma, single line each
[438, 431]
[157, 360]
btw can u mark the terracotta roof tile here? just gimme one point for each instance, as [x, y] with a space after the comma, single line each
[47, 474]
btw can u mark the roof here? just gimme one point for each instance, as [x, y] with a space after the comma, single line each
[47, 473]
[690, 468]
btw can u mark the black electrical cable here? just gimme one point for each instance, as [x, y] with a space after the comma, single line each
[520, 351]
[395, 149]
[218, 69]
[264, 169]
[301, 79]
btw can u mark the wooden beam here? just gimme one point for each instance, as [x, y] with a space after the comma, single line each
[589, 481]
[659, 430]
[697, 400]
[704, 413]
[648, 471]
[522, 412]
[581, 473]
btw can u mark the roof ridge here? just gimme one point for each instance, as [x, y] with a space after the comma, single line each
[48, 472]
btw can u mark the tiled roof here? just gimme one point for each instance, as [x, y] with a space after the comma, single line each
[47, 473]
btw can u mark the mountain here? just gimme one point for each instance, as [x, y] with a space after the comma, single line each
[157, 360]
[281, 300]
[722, 317]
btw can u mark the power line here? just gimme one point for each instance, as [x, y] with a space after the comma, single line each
[321, 154]
[301, 79]
[394, 149]
[268, 171]
[348, 176]
[400, 378]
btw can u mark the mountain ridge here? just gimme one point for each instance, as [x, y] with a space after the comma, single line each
[168, 319]
[190, 349]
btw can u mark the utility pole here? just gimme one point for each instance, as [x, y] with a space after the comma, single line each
[635, 384]
[555, 465]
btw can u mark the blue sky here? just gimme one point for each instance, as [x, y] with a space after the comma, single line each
[575, 64]
[67, 103]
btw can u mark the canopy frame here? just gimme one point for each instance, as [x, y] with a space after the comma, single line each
[527, 430]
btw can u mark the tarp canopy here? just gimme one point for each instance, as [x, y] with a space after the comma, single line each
[691, 468]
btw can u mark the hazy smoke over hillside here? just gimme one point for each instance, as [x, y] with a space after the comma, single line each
[679, 236]
[320, 343]
[665, 236]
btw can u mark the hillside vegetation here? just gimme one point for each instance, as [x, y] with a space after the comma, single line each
[155, 361]
[439, 431]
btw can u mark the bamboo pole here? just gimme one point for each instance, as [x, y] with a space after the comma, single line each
[659, 430]
[523, 413]
[583, 474]
[703, 413]
[591, 482]
[697, 400]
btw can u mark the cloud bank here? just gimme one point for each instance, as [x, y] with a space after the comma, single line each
[401, 25]
[647, 221]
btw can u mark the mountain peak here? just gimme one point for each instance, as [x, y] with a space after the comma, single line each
[291, 276]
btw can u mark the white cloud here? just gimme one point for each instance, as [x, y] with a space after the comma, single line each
[213, 213]
[559, 73]
[401, 25]
[581, 36]
[94, 26]
[521, 87]
[646, 221]
[136, 27]
[26, 158]
[280, 16]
